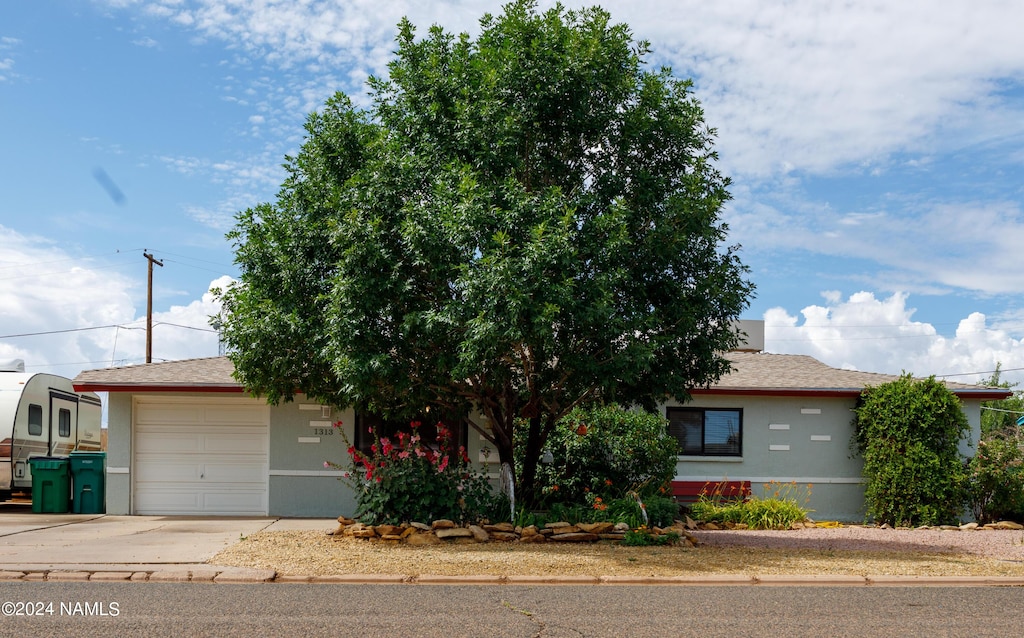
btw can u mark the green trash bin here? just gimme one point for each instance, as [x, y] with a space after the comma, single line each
[87, 476]
[51, 484]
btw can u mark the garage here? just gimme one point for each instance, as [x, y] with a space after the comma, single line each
[197, 455]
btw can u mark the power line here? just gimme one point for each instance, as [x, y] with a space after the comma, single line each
[178, 325]
[57, 332]
[113, 325]
[967, 374]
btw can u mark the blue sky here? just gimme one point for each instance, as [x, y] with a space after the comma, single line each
[876, 153]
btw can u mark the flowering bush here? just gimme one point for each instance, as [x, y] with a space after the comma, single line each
[404, 480]
[996, 479]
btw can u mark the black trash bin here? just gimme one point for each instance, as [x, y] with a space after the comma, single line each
[87, 479]
[51, 484]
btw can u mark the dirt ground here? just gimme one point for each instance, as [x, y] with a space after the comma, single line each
[856, 551]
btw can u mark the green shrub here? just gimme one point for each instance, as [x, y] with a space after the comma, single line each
[607, 452]
[996, 478]
[782, 505]
[661, 510]
[908, 431]
[715, 510]
[642, 537]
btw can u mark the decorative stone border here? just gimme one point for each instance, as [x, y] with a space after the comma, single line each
[446, 531]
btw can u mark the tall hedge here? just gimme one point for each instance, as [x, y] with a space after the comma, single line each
[908, 432]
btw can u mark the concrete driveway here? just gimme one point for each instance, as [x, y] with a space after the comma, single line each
[34, 542]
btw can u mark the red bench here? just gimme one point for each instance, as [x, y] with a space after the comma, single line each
[691, 491]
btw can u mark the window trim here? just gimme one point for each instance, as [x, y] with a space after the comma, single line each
[704, 453]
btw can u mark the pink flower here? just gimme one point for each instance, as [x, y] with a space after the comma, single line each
[386, 446]
[404, 454]
[327, 464]
[443, 464]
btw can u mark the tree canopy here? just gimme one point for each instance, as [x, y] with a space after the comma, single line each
[516, 224]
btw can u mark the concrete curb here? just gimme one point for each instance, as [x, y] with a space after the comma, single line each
[212, 574]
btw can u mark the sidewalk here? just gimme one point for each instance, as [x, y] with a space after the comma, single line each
[91, 547]
[156, 548]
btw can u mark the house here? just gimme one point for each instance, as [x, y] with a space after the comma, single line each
[185, 438]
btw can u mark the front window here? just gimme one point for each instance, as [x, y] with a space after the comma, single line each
[707, 431]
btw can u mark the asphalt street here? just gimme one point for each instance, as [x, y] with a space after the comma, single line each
[368, 611]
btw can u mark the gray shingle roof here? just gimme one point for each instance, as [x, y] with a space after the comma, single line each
[753, 373]
[212, 373]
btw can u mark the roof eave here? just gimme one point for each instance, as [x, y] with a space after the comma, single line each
[986, 394]
[158, 387]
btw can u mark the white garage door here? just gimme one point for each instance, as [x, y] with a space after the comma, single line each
[200, 456]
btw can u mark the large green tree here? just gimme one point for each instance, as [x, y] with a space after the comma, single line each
[515, 225]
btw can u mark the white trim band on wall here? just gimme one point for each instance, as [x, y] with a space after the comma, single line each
[314, 473]
[757, 480]
[118, 470]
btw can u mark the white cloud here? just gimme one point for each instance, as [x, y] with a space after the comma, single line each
[800, 85]
[44, 289]
[879, 335]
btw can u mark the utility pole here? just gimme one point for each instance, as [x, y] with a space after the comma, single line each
[149, 306]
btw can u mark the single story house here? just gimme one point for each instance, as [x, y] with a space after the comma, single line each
[185, 438]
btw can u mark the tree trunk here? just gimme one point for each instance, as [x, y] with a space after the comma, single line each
[527, 483]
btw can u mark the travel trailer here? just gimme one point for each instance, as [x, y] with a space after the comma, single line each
[41, 415]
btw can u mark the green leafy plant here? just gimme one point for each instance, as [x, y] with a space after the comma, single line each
[996, 477]
[782, 505]
[607, 452]
[909, 431]
[643, 537]
[406, 480]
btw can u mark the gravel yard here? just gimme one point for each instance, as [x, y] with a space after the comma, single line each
[856, 551]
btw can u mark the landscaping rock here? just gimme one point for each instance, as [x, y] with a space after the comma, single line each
[575, 537]
[1008, 525]
[443, 523]
[452, 532]
[387, 530]
[479, 533]
[421, 539]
